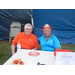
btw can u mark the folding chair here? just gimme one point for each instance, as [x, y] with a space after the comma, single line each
[15, 28]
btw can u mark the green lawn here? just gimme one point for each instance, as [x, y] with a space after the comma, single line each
[5, 50]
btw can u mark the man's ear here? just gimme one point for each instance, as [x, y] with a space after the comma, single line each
[31, 30]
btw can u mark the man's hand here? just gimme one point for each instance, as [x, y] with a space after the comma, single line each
[57, 48]
[34, 49]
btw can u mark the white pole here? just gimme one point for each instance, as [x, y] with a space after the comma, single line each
[32, 18]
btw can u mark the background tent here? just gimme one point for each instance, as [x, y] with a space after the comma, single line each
[7, 16]
[62, 22]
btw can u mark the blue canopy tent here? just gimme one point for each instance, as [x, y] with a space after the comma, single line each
[62, 22]
[7, 16]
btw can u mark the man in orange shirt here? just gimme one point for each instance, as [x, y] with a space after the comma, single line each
[26, 39]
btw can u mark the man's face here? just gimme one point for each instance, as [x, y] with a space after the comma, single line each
[47, 32]
[28, 30]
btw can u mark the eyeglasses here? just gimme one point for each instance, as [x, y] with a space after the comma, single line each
[28, 29]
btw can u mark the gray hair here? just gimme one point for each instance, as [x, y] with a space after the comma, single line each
[28, 24]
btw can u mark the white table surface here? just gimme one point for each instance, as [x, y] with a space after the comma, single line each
[45, 57]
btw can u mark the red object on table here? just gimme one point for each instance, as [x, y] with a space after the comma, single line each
[64, 50]
[18, 61]
[33, 53]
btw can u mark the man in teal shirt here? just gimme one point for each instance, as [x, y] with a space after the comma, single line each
[48, 41]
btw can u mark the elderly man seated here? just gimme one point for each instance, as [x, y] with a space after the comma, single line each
[26, 39]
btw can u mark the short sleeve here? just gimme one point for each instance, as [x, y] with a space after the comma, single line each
[56, 42]
[14, 42]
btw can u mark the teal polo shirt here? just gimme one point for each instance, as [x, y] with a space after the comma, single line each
[49, 45]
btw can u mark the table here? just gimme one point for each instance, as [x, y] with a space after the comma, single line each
[45, 57]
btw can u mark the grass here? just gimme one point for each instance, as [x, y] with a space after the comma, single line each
[68, 46]
[5, 50]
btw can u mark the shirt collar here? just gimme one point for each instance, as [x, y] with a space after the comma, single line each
[52, 35]
[27, 36]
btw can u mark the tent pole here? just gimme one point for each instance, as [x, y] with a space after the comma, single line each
[32, 19]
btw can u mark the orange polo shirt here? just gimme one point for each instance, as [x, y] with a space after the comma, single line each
[27, 42]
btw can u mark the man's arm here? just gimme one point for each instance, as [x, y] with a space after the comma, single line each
[34, 48]
[14, 43]
[57, 43]
[13, 49]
